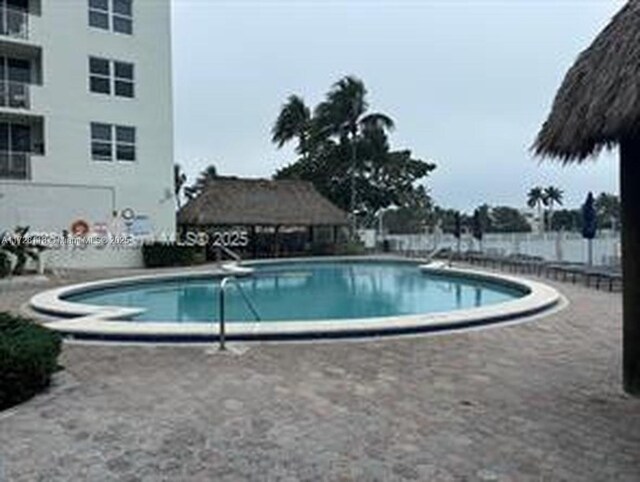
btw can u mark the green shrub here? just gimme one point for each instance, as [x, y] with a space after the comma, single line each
[160, 254]
[5, 265]
[323, 249]
[22, 248]
[28, 357]
[350, 248]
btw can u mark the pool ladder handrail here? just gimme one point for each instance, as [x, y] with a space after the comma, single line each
[254, 312]
[232, 254]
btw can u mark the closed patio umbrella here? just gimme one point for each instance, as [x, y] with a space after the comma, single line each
[589, 225]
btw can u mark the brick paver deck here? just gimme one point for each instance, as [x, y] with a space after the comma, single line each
[535, 401]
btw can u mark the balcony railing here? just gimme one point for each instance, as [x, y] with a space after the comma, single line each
[16, 95]
[15, 165]
[14, 23]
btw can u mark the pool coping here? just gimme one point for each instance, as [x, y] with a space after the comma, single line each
[110, 322]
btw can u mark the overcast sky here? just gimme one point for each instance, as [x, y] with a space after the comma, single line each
[468, 83]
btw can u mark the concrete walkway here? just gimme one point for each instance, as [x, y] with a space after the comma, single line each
[536, 401]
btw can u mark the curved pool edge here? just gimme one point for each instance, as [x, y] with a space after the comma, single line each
[109, 323]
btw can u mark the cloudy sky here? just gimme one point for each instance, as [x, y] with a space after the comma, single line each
[467, 82]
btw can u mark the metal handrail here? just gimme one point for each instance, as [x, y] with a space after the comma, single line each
[223, 285]
[232, 254]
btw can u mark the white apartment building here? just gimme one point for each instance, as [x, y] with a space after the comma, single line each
[86, 131]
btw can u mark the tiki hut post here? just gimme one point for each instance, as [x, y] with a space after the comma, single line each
[276, 242]
[630, 198]
[596, 107]
[253, 241]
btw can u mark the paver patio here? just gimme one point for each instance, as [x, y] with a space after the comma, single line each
[534, 401]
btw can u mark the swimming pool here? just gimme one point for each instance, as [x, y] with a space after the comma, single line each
[313, 297]
[305, 291]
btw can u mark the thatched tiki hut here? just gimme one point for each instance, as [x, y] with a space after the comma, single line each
[284, 217]
[598, 106]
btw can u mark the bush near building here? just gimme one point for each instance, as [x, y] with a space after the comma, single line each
[28, 357]
[161, 254]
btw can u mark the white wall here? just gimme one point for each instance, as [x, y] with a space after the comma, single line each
[68, 108]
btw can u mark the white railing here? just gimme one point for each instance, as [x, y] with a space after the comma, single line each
[16, 95]
[15, 165]
[14, 22]
[552, 246]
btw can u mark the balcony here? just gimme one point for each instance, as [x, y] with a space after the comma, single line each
[15, 165]
[15, 95]
[14, 23]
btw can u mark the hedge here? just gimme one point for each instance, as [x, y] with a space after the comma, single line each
[160, 254]
[5, 265]
[28, 357]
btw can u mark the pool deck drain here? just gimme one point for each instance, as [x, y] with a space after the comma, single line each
[526, 402]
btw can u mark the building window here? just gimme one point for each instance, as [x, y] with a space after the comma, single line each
[113, 142]
[122, 16]
[99, 75]
[115, 15]
[109, 76]
[99, 13]
[125, 143]
[123, 80]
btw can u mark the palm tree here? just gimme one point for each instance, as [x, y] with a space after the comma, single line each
[344, 114]
[536, 198]
[204, 178]
[179, 180]
[553, 195]
[293, 122]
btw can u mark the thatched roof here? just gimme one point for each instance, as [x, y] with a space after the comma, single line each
[598, 103]
[260, 202]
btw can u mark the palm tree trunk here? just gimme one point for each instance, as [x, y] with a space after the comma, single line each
[630, 200]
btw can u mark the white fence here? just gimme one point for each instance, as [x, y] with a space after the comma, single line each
[552, 246]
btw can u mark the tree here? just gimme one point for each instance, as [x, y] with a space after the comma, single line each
[536, 198]
[608, 210]
[409, 219]
[566, 220]
[347, 151]
[203, 179]
[293, 122]
[505, 219]
[343, 115]
[552, 196]
[179, 180]
[444, 218]
[403, 220]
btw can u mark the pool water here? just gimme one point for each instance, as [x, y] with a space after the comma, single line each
[305, 291]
